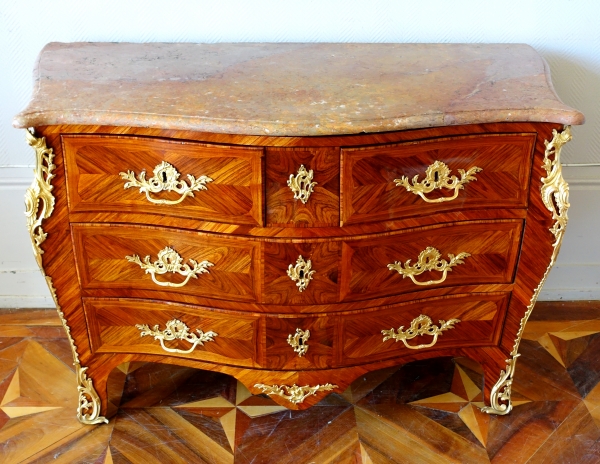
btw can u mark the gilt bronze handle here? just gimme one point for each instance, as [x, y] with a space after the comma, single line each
[170, 261]
[437, 176]
[421, 325]
[430, 259]
[165, 179]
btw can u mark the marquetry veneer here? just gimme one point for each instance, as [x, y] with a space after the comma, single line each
[305, 254]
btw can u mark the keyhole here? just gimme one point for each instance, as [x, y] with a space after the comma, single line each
[164, 176]
[436, 176]
[301, 273]
[300, 342]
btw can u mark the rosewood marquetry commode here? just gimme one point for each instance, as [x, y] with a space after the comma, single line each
[294, 215]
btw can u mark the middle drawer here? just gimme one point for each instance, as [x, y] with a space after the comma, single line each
[135, 260]
[186, 266]
[482, 252]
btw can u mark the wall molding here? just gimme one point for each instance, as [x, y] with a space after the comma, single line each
[22, 284]
[15, 183]
[591, 182]
[29, 302]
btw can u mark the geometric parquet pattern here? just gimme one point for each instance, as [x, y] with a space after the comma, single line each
[423, 412]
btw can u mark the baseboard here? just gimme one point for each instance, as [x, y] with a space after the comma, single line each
[570, 294]
[15, 177]
[15, 184]
[25, 288]
[582, 177]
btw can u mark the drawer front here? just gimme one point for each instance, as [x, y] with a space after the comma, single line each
[104, 173]
[154, 259]
[458, 321]
[303, 187]
[134, 326]
[299, 272]
[440, 256]
[495, 172]
[297, 343]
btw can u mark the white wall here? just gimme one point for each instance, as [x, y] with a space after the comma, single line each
[566, 33]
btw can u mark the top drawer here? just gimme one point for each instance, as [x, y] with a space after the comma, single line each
[477, 171]
[106, 173]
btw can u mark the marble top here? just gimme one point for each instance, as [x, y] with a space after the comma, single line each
[291, 89]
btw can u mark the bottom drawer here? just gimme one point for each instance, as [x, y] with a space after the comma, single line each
[437, 323]
[134, 326]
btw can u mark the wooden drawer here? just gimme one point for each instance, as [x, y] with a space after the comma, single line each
[95, 183]
[322, 207]
[322, 285]
[480, 315]
[315, 334]
[500, 163]
[224, 267]
[112, 327]
[492, 248]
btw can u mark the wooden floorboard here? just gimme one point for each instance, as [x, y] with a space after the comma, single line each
[424, 412]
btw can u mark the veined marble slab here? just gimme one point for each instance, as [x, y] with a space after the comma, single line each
[288, 89]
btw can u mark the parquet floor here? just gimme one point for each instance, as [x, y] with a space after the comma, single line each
[425, 412]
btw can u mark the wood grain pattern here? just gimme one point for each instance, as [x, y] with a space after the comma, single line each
[102, 250]
[346, 140]
[237, 275]
[321, 345]
[323, 206]
[59, 259]
[339, 339]
[322, 289]
[242, 293]
[369, 193]
[493, 247]
[289, 309]
[265, 141]
[234, 195]
[536, 248]
[480, 318]
[112, 325]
